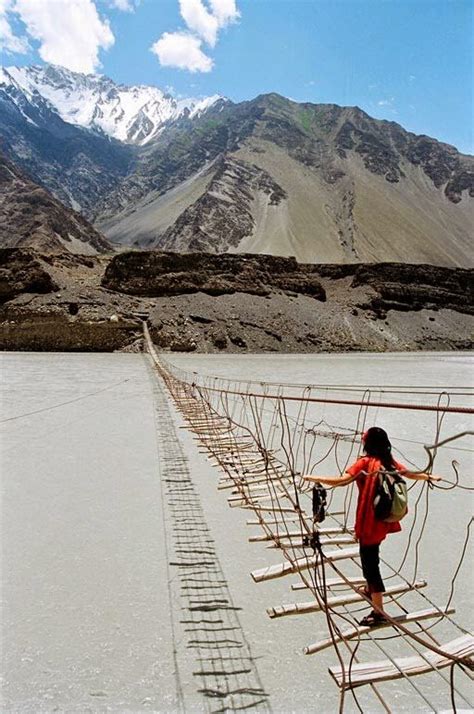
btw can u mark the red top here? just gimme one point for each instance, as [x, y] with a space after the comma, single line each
[368, 530]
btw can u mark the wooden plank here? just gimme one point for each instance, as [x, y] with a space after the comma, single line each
[242, 488]
[197, 416]
[298, 534]
[336, 540]
[211, 424]
[209, 427]
[217, 441]
[239, 484]
[246, 479]
[227, 435]
[204, 435]
[265, 471]
[353, 632]
[282, 569]
[271, 522]
[231, 483]
[333, 583]
[234, 461]
[257, 460]
[382, 671]
[236, 501]
[227, 443]
[303, 608]
[244, 476]
[257, 498]
[269, 485]
[252, 501]
[269, 509]
[235, 483]
[196, 429]
[230, 448]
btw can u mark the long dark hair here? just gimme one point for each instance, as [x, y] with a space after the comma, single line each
[377, 444]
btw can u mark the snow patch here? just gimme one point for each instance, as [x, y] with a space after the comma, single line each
[129, 114]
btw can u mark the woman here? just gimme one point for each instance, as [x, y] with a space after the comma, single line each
[369, 531]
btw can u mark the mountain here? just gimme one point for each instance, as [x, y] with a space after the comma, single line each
[133, 115]
[79, 135]
[31, 217]
[75, 164]
[319, 182]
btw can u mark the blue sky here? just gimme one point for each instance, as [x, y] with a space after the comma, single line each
[409, 61]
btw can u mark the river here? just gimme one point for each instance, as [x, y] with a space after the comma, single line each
[93, 612]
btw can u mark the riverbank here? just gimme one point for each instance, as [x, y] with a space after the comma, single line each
[239, 305]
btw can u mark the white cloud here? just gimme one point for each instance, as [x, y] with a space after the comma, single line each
[206, 23]
[124, 5]
[70, 32]
[9, 42]
[182, 50]
[225, 11]
[199, 20]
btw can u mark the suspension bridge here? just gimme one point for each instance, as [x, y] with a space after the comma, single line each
[262, 437]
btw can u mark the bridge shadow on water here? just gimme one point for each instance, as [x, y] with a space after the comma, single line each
[226, 673]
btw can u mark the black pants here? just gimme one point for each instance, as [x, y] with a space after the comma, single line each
[369, 557]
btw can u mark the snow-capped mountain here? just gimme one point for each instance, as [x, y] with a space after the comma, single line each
[133, 115]
[317, 181]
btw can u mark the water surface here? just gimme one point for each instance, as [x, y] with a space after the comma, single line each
[86, 619]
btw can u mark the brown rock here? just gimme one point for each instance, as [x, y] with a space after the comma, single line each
[21, 272]
[157, 274]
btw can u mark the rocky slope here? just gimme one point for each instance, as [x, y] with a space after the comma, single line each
[229, 303]
[159, 274]
[22, 272]
[224, 210]
[75, 164]
[317, 181]
[392, 286]
[30, 216]
[55, 302]
[348, 188]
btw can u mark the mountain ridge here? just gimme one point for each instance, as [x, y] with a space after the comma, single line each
[352, 188]
[131, 114]
[321, 182]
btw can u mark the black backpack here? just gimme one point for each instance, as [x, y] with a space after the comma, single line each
[391, 496]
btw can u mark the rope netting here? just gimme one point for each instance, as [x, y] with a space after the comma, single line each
[264, 436]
